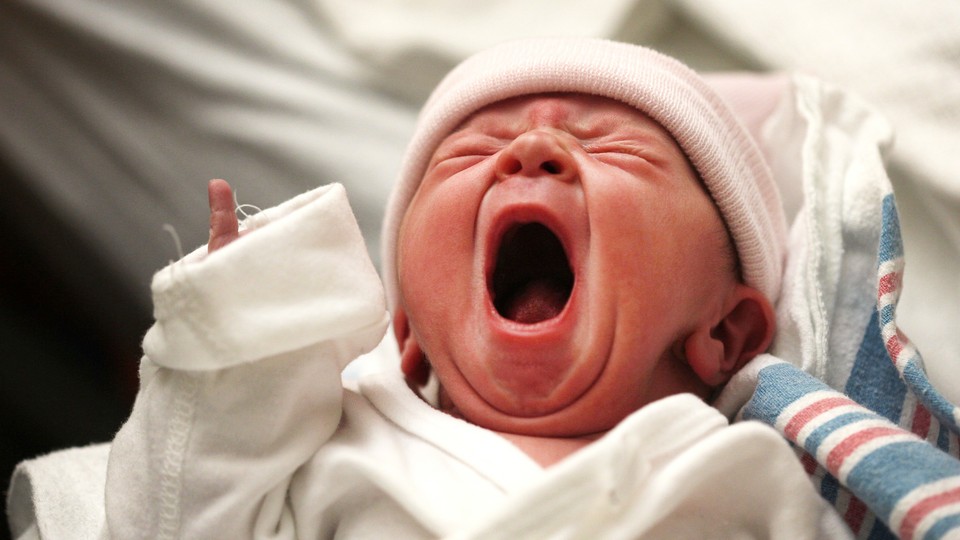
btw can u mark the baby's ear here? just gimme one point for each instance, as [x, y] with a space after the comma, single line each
[412, 360]
[716, 351]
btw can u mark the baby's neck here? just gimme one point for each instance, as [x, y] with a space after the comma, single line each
[547, 451]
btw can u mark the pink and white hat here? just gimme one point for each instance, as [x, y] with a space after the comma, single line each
[719, 147]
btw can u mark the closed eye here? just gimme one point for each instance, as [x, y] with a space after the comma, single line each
[458, 154]
[455, 164]
[626, 150]
[625, 156]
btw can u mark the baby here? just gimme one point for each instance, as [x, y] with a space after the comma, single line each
[583, 247]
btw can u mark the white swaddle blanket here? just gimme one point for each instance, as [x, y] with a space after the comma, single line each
[880, 441]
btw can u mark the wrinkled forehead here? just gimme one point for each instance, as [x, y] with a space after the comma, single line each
[580, 113]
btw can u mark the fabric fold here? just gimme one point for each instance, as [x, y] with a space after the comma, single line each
[210, 311]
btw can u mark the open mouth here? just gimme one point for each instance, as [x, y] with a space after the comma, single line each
[532, 279]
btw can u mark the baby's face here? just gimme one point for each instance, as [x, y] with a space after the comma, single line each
[555, 256]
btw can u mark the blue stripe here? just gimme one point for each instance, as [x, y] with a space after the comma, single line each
[829, 488]
[891, 245]
[943, 438]
[887, 313]
[874, 381]
[892, 471]
[778, 386]
[943, 526]
[816, 437]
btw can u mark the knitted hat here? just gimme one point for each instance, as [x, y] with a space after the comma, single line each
[719, 147]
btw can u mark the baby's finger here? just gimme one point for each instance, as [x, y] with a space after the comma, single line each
[224, 227]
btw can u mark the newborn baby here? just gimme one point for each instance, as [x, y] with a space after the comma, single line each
[561, 266]
[583, 246]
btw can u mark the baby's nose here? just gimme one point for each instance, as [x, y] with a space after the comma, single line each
[537, 153]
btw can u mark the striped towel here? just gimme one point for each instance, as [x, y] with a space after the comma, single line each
[852, 396]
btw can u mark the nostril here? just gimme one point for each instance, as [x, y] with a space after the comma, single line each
[510, 166]
[551, 167]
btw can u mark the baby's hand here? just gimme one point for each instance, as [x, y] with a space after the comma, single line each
[224, 227]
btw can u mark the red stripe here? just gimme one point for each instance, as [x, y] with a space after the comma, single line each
[888, 283]
[894, 347]
[842, 451]
[809, 463]
[923, 508]
[856, 511]
[812, 411]
[921, 421]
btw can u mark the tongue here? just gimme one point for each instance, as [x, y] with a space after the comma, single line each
[537, 301]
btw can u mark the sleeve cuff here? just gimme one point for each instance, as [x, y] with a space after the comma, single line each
[300, 276]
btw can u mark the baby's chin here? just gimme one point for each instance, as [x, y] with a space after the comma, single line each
[567, 422]
[596, 407]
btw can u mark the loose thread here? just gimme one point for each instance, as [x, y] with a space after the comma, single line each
[242, 208]
[176, 240]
